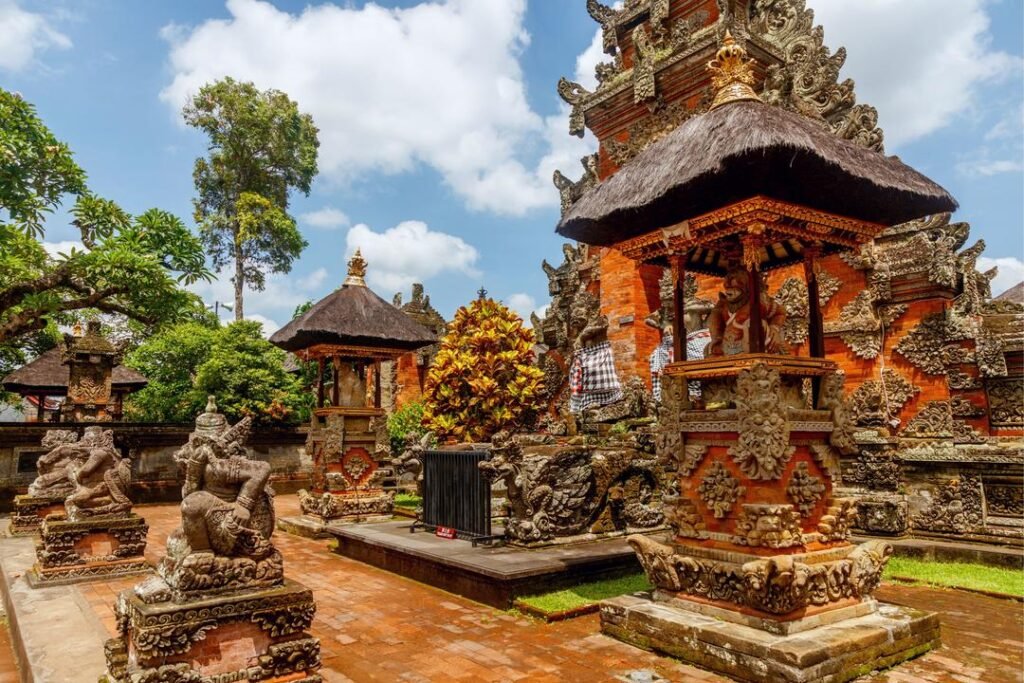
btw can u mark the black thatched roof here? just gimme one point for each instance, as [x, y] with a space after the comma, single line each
[48, 373]
[353, 316]
[741, 150]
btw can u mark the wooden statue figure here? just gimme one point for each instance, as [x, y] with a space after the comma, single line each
[730, 319]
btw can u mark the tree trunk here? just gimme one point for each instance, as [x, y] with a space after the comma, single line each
[239, 279]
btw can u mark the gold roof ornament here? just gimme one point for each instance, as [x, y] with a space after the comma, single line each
[732, 74]
[356, 270]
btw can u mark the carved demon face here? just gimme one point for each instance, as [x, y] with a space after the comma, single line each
[735, 287]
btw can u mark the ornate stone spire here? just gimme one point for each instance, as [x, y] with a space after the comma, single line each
[732, 75]
[356, 270]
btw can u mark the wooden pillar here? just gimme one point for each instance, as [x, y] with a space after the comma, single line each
[320, 382]
[815, 325]
[335, 389]
[376, 385]
[678, 308]
[756, 331]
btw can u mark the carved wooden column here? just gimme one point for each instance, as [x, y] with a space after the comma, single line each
[678, 307]
[320, 382]
[750, 262]
[815, 326]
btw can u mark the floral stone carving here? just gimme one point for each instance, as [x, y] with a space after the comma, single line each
[955, 507]
[805, 489]
[557, 492]
[768, 526]
[762, 449]
[878, 403]
[934, 420]
[720, 490]
[222, 579]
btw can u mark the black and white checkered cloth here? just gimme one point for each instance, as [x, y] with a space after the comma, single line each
[592, 379]
[660, 357]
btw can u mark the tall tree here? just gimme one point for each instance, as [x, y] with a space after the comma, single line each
[261, 148]
[126, 265]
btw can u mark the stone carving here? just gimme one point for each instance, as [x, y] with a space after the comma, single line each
[663, 119]
[925, 346]
[832, 399]
[1006, 403]
[768, 526]
[729, 321]
[682, 517]
[882, 515]
[934, 420]
[878, 403]
[990, 354]
[570, 191]
[64, 452]
[411, 460]
[828, 459]
[566, 491]
[1004, 500]
[965, 433]
[862, 320]
[719, 490]
[808, 80]
[227, 515]
[876, 471]
[805, 489]
[961, 381]
[762, 449]
[955, 507]
[840, 517]
[61, 543]
[776, 585]
[692, 455]
[792, 296]
[644, 88]
[101, 480]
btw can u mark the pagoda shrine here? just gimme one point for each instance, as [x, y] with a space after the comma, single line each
[760, 580]
[348, 334]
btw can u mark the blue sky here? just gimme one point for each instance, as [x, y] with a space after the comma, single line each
[440, 125]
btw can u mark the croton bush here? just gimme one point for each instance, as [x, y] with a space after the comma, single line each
[483, 378]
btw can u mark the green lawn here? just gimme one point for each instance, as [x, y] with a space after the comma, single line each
[958, 574]
[407, 500]
[587, 593]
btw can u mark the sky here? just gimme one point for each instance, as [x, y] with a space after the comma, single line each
[440, 126]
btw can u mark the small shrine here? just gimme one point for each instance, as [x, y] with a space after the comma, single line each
[760, 580]
[95, 535]
[348, 334]
[84, 371]
[220, 607]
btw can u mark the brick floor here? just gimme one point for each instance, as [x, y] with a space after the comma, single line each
[375, 626]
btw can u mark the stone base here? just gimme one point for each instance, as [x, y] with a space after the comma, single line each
[257, 635]
[826, 653]
[587, 537]
[371, 505]
[99, 548]
[30, 511]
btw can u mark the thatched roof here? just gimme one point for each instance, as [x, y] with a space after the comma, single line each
[353, 316]
[48, 373]
[741, 150]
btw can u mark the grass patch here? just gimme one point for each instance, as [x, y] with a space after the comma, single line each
[958, 574]
[407, 500]
[587, 593]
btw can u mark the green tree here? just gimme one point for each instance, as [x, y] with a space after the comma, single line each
[185, 363]
[128, 265]
[483, 378]
[261, 148]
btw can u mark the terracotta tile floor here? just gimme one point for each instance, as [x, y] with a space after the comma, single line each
[376, 626]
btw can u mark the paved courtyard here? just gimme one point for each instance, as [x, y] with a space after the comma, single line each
[375, 626]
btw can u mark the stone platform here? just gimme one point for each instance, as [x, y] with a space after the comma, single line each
[30, 511]
[495, 576]
[313, 526]
[824, 653]
[69, 552]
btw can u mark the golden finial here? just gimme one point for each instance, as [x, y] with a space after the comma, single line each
[732, 74]
[356, 270]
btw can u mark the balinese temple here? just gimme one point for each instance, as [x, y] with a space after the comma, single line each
[759, 579]
[934, 365]
[79, 381]
[349, 334]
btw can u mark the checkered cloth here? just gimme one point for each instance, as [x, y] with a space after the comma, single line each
[696, 342]
[592, 379]
[660, 357]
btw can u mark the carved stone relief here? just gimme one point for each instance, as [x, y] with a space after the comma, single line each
[934, 420]
[805, 489]
[925, 347]
[955, 507]
[720, 490]
[768, 526]
[878, 403]
[1006, 403]
[1004, 499]
[762, 449]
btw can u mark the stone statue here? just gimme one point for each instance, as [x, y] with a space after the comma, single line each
[593, 381]
[53, 481]
[730, 319]
[101, 481]
[227, 517]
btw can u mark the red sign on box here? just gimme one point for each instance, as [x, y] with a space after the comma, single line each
[444, 532]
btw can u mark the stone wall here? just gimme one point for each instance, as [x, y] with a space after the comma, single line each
[151, 447]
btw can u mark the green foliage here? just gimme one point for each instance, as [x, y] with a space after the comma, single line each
[957, 575]
[187, 362]
[405, 426]
[587, 594]
[128, 265]
[261, 147]
[483, 379]
[407, 500]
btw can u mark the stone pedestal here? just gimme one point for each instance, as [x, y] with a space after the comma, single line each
[69, 552]
[252, 635]
[820, 651]
[30, 511]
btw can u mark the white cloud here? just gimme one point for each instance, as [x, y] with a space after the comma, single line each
[523, 305]
[387, 93]
[327, 218]
[921, 63]
[24, 34]
[1011, 272]
[989, 167]
[269, 326]
[410, 252]
[281, 296]
[54, 249]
